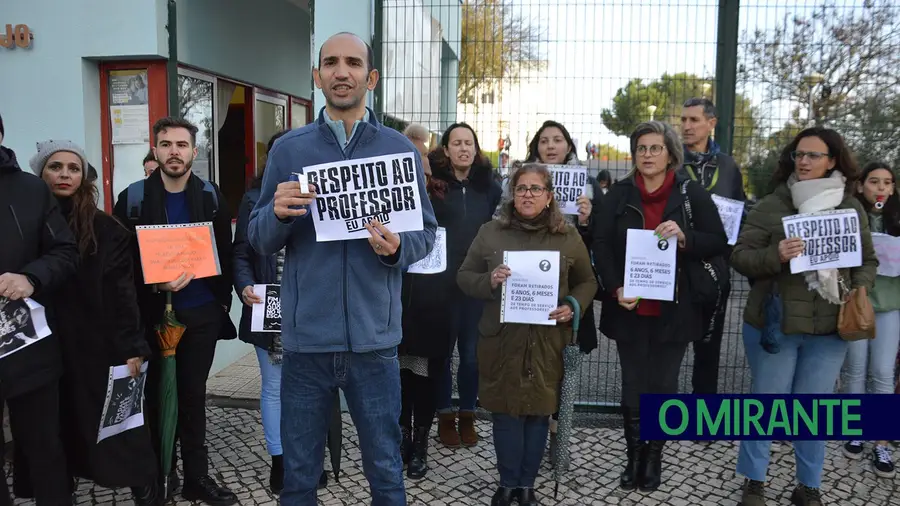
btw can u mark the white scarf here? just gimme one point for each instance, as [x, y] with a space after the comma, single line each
[811, 196]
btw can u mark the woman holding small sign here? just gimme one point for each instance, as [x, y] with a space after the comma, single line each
[465, 195]
[652, 335]
[98, 326]
[553, 145]
[520, 365]
[791, 320]
[874, 360]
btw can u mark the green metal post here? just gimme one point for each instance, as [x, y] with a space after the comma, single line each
[172, 64]
[726, 72]
[378, 50]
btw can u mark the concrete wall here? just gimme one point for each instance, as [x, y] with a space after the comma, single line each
[262, 42]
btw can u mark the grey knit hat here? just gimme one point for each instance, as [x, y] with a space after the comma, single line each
[46, 149]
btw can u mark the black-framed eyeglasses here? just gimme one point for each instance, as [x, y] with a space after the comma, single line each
[535, 190]
[654, 150]
[813, 156]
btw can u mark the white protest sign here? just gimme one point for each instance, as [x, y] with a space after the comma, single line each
[569, 183]
[123, 408]
[436, 261]
[351, 193]
[649, 266]
[887, 249]
[531, 292]
[831, 240]
[730, 211]
[266, 316]
[22, 323]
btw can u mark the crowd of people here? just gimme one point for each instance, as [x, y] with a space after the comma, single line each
[354, 319]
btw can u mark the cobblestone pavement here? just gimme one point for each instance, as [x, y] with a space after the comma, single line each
[694, 474]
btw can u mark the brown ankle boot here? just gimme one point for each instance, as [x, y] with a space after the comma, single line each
[447, 430]
[467, 429]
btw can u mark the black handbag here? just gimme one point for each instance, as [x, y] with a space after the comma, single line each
[708, 279]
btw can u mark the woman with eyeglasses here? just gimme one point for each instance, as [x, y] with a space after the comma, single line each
[874, 360]
[790, 321]
[652, 336]
[520, 365]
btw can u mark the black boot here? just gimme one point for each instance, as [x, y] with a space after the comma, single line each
[503, 496]
[146, 496]
[406, 445]
[276, 476]
[418, 466]
[650, 468]
[633, 448]
[527, 497]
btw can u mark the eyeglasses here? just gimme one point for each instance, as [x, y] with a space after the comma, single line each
[535, 190]
[813, 156]
[655, 149]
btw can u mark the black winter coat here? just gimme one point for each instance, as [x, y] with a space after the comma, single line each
[202, 208]
[623, 210]
[429, 300]
[38, 243]
[99, 326]
[251, 268]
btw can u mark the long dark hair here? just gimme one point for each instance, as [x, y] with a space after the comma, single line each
[84, 209]
[535, 157]
[257, 181]
[891, 210]
[837, 150]
[441, 162]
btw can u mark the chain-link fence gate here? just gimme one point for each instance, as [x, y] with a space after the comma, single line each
[600, 68]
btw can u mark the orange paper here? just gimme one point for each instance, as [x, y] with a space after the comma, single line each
[169, 250]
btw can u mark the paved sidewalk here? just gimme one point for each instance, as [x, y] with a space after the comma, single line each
[694, 474]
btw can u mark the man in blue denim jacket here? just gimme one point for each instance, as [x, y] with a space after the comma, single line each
[341, 299]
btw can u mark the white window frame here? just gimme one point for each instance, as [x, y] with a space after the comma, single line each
[214, 174]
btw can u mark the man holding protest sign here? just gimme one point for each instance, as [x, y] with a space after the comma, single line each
[174, 195]
[342, 327]
[720, 175]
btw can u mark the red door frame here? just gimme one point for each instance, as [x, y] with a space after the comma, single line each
[304, 102]
[157, 94]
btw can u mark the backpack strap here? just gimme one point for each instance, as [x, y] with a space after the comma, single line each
[135, 200]
[209, 188]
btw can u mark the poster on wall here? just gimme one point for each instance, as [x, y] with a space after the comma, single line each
[129, 106]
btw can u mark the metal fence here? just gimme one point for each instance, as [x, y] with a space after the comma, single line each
[773, 67]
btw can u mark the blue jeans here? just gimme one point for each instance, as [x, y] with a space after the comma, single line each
[805, 364]
[465, 319]
[270, 400]
[874, 360]
[371, 385]
[519, 443]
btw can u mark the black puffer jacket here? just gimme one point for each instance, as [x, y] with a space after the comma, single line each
[38, 243]
[429, 300]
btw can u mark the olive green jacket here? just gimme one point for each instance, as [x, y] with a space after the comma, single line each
[520, 366]
[756, 256]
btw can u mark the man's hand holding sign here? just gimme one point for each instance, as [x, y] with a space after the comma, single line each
[290, 202]
[383, 241]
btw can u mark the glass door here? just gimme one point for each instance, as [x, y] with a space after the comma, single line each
[197, 98]
[270, 114]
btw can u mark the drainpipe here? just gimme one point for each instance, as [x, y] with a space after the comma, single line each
[172, 64]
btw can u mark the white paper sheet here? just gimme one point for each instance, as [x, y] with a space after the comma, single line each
[124, 406]
[832, 240]
[531, 292]
[436, 261]
[649, 266]
[730, 211]
[266, 316]
[569, 183]
[887, 248]
[22, 323]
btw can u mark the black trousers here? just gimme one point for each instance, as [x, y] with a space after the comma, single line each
[194, 358]
[418, 400]
[34, 422]
[705, 378]
[648, 365]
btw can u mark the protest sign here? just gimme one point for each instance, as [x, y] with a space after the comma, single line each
[169, 250]
[831, 238]
[436, 261]
[730, 211]
[266, 316]
[124, 406]
[531, 292]
[887, 249]
[649, 266]
[569, 183]
[351, 193]
[22, 323]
